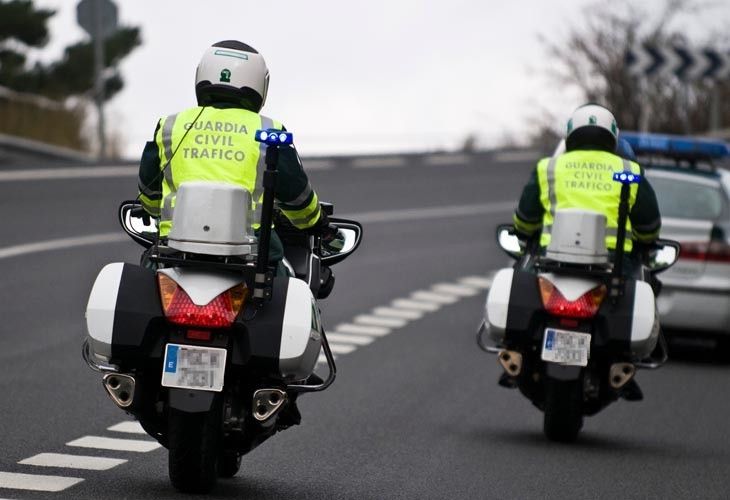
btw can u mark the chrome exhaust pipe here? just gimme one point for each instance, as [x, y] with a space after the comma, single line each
[511, 361]
[120, 388]
[266, 402]
[620, 373]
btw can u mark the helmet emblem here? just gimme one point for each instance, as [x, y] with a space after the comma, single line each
[226, 76]
[592, 120]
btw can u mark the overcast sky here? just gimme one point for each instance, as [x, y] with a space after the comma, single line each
[372, 76]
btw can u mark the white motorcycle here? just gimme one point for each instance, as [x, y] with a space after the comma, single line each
[570, 327]
[210, 349]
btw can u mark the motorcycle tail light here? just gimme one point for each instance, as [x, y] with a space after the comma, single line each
[585, 306]
[180, 310]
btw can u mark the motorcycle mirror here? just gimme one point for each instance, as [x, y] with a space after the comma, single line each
[508, 241]
[137, 223]
[352, 232]
[665, 256]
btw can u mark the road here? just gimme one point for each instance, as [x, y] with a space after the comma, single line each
[415, 411]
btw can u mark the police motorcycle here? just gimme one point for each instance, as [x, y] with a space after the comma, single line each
[210, 351]
[570, 328]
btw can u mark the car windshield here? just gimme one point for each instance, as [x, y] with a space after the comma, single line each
[684, 198]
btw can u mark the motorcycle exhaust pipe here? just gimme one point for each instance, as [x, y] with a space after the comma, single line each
[120, 388]
[266, 402]
[511, 361]
[620, 373]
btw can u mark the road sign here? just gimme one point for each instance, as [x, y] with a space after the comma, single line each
[85, 16]
[685, 63]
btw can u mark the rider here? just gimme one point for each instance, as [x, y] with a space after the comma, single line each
[582, 178]
[214, 141]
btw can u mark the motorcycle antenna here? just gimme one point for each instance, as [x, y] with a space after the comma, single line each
[626, 178]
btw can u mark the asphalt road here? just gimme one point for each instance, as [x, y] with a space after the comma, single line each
[414, 414]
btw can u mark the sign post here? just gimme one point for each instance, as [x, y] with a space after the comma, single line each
[99, 19]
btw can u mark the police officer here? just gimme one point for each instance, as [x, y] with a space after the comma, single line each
[214, 141]
[582, 177]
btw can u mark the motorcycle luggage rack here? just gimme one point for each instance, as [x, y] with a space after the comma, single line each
[316, 387]
[165, 255]
[582, 270]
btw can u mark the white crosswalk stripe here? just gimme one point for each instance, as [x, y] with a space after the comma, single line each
[477, 281]
[438, 298]
[366, 319]
[416, 304]
[36, 482]
[342, 348]
[129, 426]
[349, 338]
[72, 461]
[460, 290]
[397, 313]
[105, 443]
[378, 331]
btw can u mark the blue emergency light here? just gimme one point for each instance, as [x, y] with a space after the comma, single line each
[274, 137]
[626, 177]
[676, 146]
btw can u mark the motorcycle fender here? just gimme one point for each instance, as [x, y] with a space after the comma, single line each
[497, 305]
[562, 372]
[190, 401]
[122, 305]
[301, 337]
[645, 321]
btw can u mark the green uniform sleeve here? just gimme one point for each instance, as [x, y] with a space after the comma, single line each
[294, 194]
[646, 222]
[149, 181]
[528, 216]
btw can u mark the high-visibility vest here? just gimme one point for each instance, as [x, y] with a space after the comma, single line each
[584, 180]
[211, 144]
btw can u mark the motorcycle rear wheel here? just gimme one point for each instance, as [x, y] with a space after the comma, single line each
[193, 450]
[563, 418]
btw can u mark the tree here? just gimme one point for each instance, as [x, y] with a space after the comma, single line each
[592, 58]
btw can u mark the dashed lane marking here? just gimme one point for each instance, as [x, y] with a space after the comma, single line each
[335, 338]
[447, 160]
[375, 331]
[72, 461]
[386, 162]
[438, 298]
[342, 348]
[128, 426]
[36, 482]
[105, 443]
[392, 312]
[409, 304]
[459, 290]
[377, 320]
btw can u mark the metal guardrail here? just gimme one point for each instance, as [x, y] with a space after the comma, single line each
[20, 151]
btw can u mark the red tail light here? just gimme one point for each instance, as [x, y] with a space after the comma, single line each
[716, 250]
[585, 306]
[179, 309]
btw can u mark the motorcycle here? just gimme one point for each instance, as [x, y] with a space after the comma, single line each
[206, 345]
[570, 328]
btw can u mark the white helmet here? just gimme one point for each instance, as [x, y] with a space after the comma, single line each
[592, 125]
[232, 71]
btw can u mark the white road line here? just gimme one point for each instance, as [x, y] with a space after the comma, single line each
[342, 348]
[323, 359]
[128, 426]
[72, 461]
[517, 156]
[457, 159]
[431, 213]
[477, 281]
[36, 482]
[377, 331]
[366, 319]
[460, 290]
[105, 443]
[60, 244]
[397, 313]
[318, 164]
[42, 174]
[438, 298]
[417, 305]
[349, 339]
[386, 162]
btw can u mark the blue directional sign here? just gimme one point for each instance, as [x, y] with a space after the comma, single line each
[274, 137]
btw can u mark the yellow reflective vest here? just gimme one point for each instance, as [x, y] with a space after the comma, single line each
[584, 180]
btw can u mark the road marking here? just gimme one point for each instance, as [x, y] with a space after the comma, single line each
[385, 162]
[447, 159]
[310, 165]
[416, 304]
[105, 443]
[430, 213]
[43, 174]
[366, 319]
[61, 244]
[438, 298]
[377, 331]
[128, 426]
[397, 313]
[477, 281]
[72, 461]
[517, 156]
[323, 359]
[349, 339]
[36, 482]
[342, 348]
[460, 290]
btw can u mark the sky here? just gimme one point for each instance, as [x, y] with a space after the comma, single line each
[356, 77]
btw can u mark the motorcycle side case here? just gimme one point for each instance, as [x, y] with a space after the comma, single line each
[497, 305]
[645, 321]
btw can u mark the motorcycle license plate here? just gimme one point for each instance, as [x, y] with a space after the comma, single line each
[565, 347]
[193, 367]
